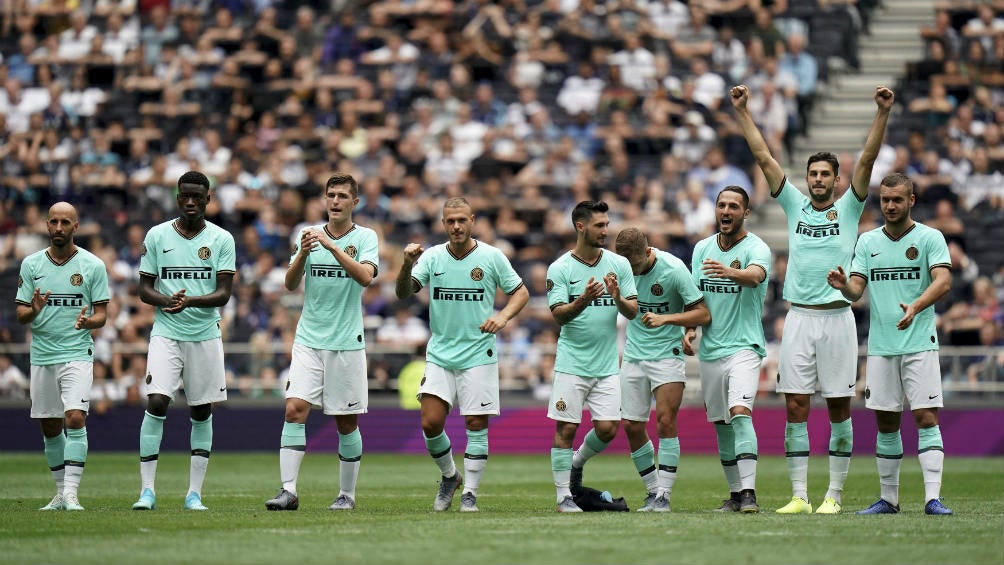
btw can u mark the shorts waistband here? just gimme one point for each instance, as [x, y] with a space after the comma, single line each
[821, 313]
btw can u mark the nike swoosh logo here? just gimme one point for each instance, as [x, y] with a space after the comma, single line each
[38, 277]
[483, 404]
[850, 385]
[84, 401]
[874, 254]
[168, 250]
[932, 396]
[351, 404]
[437, 274]
[575, 282]
[223, 389]
[747, 396]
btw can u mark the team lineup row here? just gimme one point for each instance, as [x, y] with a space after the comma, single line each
[188, 265]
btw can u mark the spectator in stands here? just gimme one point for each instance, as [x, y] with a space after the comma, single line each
[697, 39]
[984, 26]
[636, 63]
[156, 33]
[943, 34]
[693, 138]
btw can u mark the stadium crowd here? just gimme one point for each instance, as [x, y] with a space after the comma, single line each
[523, 106]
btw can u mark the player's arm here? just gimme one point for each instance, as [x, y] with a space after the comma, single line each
[772, 170]
[694, 315]
[217, 298]
[294, 274]
[749, 276]
[362, 273]
[26, 313]
[628, 307]
[405, 285]
[852, 287]
[689, 335]
[566, 312]
[149, 294]
[876, 135]
[941, 283]
[96, 320]
[517, 300]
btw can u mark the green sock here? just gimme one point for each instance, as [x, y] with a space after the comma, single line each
[561, 470]
[929, 438]
[151, 431]
[669, 460]
[841, 446]
[76, 446]
[727, 454]
[202, 445]
[350, 452]
[796, 455]
[475, 459]
[932, 460]
[55, 451]
[888, 458]
[292, 448]
[746, 450]
[644, 461]
[591, 445]
[294, 436]
[442, 453]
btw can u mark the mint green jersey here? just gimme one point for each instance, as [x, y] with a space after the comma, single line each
[75, 283]
[818, 241]
[736, 311]
[666, 288]
[897, 272]
[332, 316]
[587, 345]
[179, 262]
[461, 298]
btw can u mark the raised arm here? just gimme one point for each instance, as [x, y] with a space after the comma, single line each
[876, 135]
[772, 170]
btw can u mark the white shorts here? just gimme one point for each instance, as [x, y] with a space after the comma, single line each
[475, 391]
[729, 381]
[639, 379]
[917, 376]
[571, 393]
[333, 380]
[818, 346]
[196, 365]
[57, 389]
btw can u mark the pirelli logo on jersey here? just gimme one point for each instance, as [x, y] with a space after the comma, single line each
[186, 273]
[653, 307]
[328, 271]
[719, 286]
[895, 274]
[68, 300]
[818, 230]
[458, 294]
[602, 300]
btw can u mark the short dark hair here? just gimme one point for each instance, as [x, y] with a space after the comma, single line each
[456, 202]
[824, 156]
[194, 177]
[585, 209]
[898, 179]
[343, 178]
[737, 189]
[631, 241]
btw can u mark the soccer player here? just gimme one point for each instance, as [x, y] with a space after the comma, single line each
[668, 301]
[732, 268]
[907, 267]
[584, 294]
[187, 272]
[819, 341]
[462, 360]
[337, 260]
[62, 316]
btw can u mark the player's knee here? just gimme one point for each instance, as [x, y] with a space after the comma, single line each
[75, 419]
[606, 431]
[925, 418]
[157, 404]
[201, 412]
[633, 430]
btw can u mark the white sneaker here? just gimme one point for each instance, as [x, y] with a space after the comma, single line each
[70, 502]
[55, 504]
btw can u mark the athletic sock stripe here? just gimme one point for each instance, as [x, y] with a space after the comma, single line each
[932, 448]
[441, 453]
[200, 453]
[746, 456]
[840, 453]
[647, 471]
[69, 463]
[668, 468]
[481, 457]
[889, 456]
[349, 459]
[796, 453]
[147, 458]
[729, 463]
[58, 467]
[294, 447]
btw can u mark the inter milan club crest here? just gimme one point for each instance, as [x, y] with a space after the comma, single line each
[912, 253]
[351, 251]
[736, 264]
[831, 215]
[142, 249]
[548, 285]
[205, 253]
[657, 289]
[76, 279]
[477, 274]
[560, 405]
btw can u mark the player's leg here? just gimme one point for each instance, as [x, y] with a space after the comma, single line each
[922, 382]
[47, 408]
[797, 380]
[205, 384]
[837, 362]
[565, 408]
[350, 453]
[75, 381]
[201, 440]
[884, 395]
[292, 448]
[714, 389]
[743, 379]
[438, 386]
[475, 459]
[604, 403]
[163, 379]
[478, 399]
[668, 397]
[636, 407]
[346, 396]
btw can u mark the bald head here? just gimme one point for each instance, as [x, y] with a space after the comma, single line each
[64, 209]
[62, 224]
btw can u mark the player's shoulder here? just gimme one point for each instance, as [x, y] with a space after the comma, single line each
[701, 246]
[364, 232]
[35, 258]
[668, 259]
[89, 258]
[756, 241]
[217, 231]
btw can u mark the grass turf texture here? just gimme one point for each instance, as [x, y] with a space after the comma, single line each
[394, 522]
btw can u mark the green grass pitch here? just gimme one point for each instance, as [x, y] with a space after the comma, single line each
[394, 522]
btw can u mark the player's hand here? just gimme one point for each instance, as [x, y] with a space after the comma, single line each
[178, 303]
[493, 325]
[613, 287]
[688, 342]
[308, 241]
[716, 269]
[594, 289]
[412, 252]
[38, 300]
[740, 96]
[909, 311]
[81, 322]
[652, 320]
[837, 279]
[884, 97]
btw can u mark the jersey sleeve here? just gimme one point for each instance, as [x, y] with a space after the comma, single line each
[937, 251]
[228, 256]
[25, 284]
[625, 278]
[420, 271]
[859, 264]
[682, 282]
[370, 251]
[760, 256]
[100, 292]
[789, 197]
[296, 247]
[557, 286]
[508, 279]
[148, 260]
